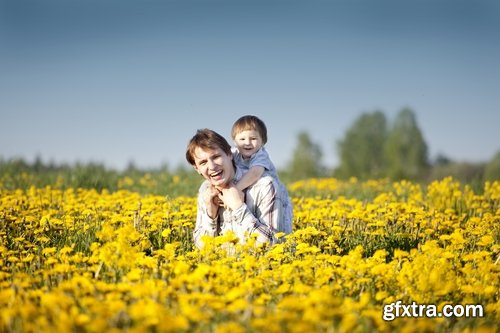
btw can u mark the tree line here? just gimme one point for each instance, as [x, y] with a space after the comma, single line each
[373, 147]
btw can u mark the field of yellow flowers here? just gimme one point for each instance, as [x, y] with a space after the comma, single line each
[79, 260]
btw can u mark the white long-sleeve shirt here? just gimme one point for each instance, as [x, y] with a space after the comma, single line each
[263, 213]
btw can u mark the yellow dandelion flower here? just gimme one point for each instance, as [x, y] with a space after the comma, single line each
[486, 240]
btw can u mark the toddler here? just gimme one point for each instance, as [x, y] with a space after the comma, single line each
[249, 135]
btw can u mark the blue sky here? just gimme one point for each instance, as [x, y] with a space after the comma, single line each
[117, 81]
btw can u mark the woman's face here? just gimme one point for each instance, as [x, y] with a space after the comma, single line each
[214, 165]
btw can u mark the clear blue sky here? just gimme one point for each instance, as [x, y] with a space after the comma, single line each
[117, 81]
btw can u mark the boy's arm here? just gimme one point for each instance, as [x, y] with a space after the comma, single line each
[250, 177]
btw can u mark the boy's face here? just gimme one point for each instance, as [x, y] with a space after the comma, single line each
[248, 142]
[214, 165]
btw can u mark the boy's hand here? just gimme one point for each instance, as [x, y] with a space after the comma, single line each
[232, 197]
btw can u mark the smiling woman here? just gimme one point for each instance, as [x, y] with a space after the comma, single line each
[222, 207]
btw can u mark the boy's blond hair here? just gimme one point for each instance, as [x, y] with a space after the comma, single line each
[247, 123]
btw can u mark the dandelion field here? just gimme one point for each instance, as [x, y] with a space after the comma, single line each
[82, 260]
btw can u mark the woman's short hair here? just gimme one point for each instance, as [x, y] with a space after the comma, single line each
[206, 139]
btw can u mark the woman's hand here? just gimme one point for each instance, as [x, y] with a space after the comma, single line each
[212, 201]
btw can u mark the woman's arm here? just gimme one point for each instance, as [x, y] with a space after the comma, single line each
[262, 211]
[206, 216]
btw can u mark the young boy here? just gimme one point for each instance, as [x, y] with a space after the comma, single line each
[249, 135]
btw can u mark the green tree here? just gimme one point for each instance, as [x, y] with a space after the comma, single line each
[361, 150]
[492, 170]
[405, 149]
[306, 159]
